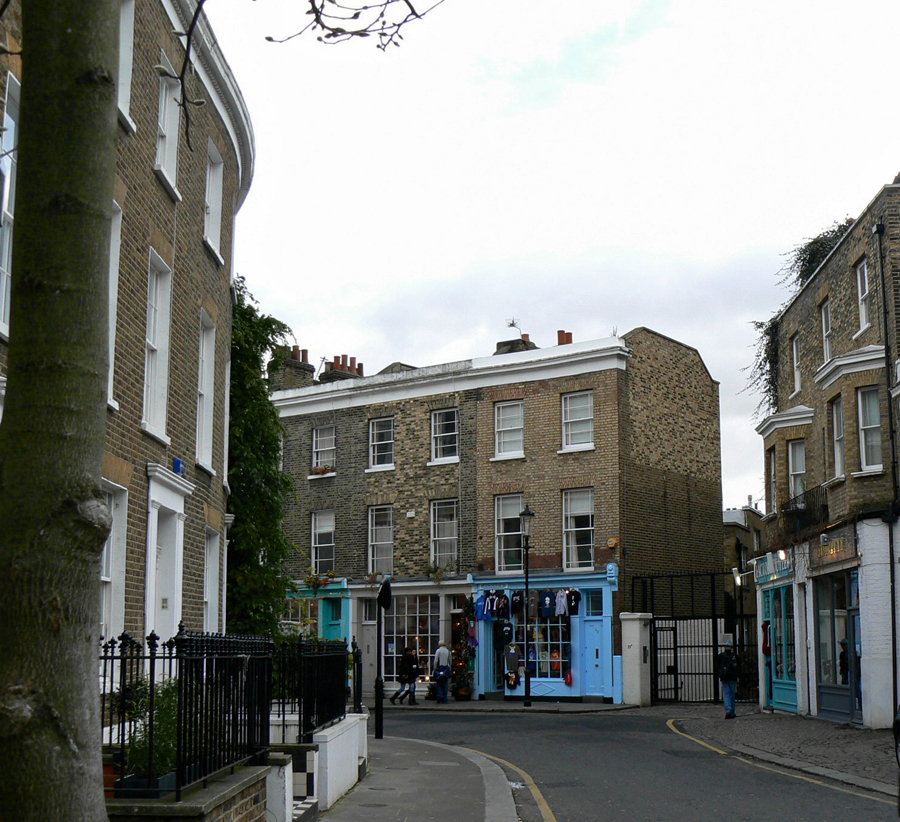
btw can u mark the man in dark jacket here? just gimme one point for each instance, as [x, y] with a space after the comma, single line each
[728, 669]
[409, 671]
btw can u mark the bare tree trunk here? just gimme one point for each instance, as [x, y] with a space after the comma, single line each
[52, 519]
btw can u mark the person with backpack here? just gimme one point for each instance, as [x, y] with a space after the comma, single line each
[728, 669]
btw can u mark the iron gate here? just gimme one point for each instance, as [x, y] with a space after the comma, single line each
[691, 613]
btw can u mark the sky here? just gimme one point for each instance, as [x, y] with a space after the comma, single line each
[588, 166]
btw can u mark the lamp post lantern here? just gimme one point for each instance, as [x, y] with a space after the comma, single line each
[525, 520]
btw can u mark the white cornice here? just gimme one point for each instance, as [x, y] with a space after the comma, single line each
[798, 415]
[169, 479]
[504, 369]
[863, 359]
[216, 75]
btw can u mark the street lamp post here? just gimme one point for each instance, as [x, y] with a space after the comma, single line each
[525, 520]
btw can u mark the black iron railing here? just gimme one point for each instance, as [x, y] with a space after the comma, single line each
[805, 510]
[178, 712]
[310, 684]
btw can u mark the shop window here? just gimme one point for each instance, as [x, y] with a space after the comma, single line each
[548, 646]
[300, 616]
[411, 620]
[782, 640]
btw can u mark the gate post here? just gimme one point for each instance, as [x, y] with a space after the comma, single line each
[636, 658]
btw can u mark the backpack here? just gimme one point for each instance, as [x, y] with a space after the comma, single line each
[727, 667]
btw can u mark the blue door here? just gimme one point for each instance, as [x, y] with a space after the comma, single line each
[593, 657]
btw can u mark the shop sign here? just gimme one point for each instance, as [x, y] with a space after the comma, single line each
[827, 550]
[769, 567]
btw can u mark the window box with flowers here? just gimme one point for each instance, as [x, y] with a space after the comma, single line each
[319, 471]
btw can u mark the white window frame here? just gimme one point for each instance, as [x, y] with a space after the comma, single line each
[381, 539]
[795, 357]
[381, 444]
[507, 508]
[112, 562]
[773, 480]
[869, 430]
[509, 429]
[206, 397]
[156, 349]
[212, 205]
[578, 503]
[796, 470]
[115, 245]
[211, 567]
[126, 63]
[168, 125]
[837, 434]
[226, 425]
[827, 333]
[862, 293]
[8, 175]
[445, 436]
[322, 545]
[577, 423]
[445, 533]
[324, 446]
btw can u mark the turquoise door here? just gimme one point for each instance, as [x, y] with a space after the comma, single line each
[332, 623]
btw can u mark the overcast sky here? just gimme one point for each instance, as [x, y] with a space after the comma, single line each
[585, 166]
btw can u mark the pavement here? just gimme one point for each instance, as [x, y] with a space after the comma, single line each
[407, 778]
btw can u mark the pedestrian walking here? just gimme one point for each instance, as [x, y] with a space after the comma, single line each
[728, 669]
[442, 671]
[407, 675]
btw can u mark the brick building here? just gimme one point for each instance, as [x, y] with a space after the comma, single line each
[421, 473]
[827, 590]
[169, 316]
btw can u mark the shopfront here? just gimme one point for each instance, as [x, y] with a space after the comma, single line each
[774, 577]
[568, 645]
[838, 646]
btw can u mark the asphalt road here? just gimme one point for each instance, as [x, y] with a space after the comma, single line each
[619, 767]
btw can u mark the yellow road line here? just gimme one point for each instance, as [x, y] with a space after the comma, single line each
[535, 790]
[745, 760]
[671, 724]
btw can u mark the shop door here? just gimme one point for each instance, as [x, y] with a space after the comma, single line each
[593, 661]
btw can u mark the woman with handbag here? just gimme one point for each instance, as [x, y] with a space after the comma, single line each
[408, 673]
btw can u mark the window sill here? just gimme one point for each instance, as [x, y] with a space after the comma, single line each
[443, 461]
[574, 449]
[111, 404]
[519, 455]
[206, 469]
[861, 331]
[377, 469]
[126, 122]
[168, 183]
[213, 250]
[834, 481]
[157, 435]
[868, 472]
[505, 573]
[321, 476]
[581, 569]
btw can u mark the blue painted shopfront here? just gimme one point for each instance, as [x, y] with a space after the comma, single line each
[323, 611]
[775, 579]
[580, 645]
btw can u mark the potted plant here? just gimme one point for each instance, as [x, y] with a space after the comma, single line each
[140, 782]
